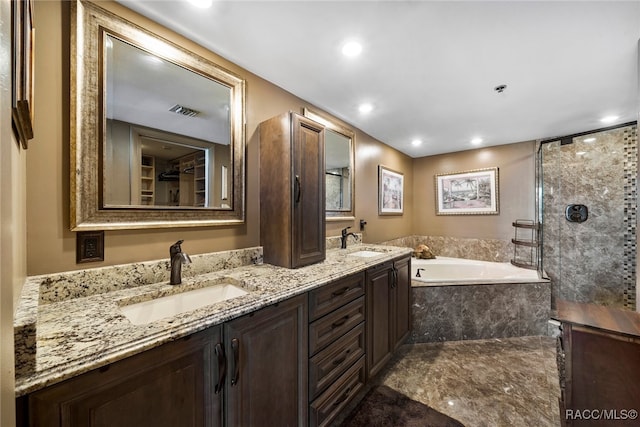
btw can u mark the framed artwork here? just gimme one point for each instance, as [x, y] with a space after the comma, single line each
[390, 191]
[473, 192]
[22, 44]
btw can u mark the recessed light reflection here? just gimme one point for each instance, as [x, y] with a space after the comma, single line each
[609, 119]
[351, 49]
[202, 4]
[450, 403]
[589, 139]
[476, 141]
[581, 153]
[365, 108]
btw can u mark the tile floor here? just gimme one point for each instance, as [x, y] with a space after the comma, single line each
[508, 382]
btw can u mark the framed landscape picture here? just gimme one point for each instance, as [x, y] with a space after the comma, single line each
[473, 192]
[390, 191]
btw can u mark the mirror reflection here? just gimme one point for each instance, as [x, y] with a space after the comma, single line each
[339, 166]
[338, 171]
[168, 133]
[157, 131]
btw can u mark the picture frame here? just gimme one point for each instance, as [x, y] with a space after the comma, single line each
[22, 45]
[472, 192]
[390, 191]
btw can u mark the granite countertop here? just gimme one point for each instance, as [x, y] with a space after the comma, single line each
[70, 323]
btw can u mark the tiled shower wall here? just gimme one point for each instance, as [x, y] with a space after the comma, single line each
[593, 261]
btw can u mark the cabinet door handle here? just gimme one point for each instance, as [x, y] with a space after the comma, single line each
[235, 347]
[222, 367]
[339, 322]
[340, 292]
[394, 281]
[298, 189]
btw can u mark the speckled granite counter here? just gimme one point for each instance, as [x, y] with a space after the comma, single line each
[70, 323]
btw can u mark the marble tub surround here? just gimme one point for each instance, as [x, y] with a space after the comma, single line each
[469, 312]
[56, 340]
[495, 250]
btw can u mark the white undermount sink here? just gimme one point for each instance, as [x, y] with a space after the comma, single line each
[365, 254]
[149, 311]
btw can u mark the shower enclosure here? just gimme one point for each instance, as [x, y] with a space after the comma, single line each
[586, 191]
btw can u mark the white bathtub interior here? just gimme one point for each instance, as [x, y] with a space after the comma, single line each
[459, 270]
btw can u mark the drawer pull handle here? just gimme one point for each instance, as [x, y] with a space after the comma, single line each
[340, 292]
[235, 346]
[340, 322]
[342, 359]
[222, 367]
[344, 396]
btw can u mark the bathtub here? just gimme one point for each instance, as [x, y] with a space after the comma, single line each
[458, 271]
[462, 299]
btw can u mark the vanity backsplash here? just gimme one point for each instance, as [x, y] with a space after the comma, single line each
[64, 286]
[77, 284]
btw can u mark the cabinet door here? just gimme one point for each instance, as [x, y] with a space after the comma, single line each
[308, 192]
[171, 385]
[402, 301]
[267, 376]
[379, 326]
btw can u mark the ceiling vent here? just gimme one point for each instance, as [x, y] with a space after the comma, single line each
[179, 109]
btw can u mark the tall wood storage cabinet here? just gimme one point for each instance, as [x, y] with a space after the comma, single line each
[292, 194]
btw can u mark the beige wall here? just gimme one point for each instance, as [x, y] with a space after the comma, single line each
[51, 246]
[516, 164]
[12, 224]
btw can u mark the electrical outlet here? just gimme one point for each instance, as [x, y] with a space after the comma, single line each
[89, 246]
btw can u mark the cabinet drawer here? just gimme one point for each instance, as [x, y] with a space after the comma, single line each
[331, 362]
[329, 297]
[325, 408]
[325, 330]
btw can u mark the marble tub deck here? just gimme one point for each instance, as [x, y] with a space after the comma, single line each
[510, 382]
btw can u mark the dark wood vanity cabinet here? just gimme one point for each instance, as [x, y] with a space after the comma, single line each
[295, 363]
[388, 311]
[171, 385]
[336, 347]
[292, 191]
[267, 368]
[259, 371]
[599, 365]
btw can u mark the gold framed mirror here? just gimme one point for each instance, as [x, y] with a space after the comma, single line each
[157, 132]
[340, 143]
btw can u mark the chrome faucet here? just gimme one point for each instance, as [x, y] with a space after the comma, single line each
[177, 259]
[343, 242]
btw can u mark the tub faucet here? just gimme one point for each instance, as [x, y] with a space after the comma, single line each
[343, 242]
[177, 259]
[418, 272]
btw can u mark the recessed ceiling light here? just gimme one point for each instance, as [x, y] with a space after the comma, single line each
[416, 142]
[589, 139]
[609, 119]
[365, 108]
[351, 49]
[476, 141]
[203, 4]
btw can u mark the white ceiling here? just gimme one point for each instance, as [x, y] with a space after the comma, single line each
[430, 67]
